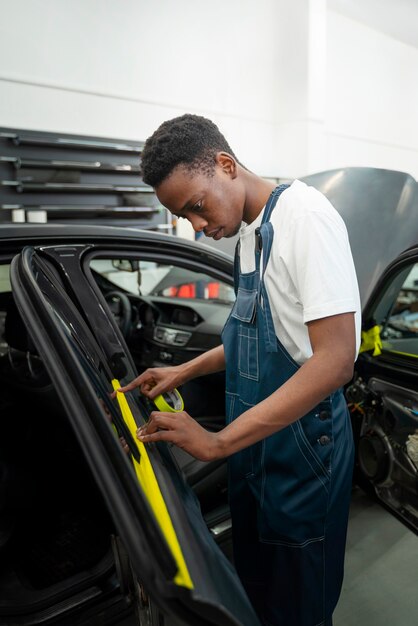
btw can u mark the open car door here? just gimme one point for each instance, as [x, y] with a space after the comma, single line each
[156, 514]
[384, 395]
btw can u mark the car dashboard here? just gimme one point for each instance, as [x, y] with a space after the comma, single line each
[172, 332]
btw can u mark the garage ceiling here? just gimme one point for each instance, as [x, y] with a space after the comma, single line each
[396, 18]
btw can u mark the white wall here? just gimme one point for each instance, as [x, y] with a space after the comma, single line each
[296, 88]
[119, 69]
[371, 114]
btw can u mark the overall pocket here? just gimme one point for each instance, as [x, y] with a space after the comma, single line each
[245, 311]
[248, 352]
[294, 491]
[320, 466]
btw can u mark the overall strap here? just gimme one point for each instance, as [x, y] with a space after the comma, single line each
[264, 233]
[271, 202]
[260, 233]
[264, 241]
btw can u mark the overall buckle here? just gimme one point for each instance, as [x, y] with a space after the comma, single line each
[258, 240]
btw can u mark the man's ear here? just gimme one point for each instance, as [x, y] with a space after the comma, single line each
[227, 163]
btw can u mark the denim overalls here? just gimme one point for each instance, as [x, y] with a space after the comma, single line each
[289, 493]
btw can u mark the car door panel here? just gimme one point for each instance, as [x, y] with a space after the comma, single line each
[383, 396]
[81, 369]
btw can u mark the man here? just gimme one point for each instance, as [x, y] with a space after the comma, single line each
[288, 348]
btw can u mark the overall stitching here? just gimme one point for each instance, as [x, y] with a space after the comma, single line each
[268, 324]
[324, 574]
[289, 544]
[307, 460]
[249, 404]
[288, 357]
[243, 338]
[267, 231]
[263, 473]
[326, 515]
[243, 318]
[314, 464]
[248, 290]
[311, 450]
[232, 407]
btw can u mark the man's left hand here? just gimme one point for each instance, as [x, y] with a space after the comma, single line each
[183, 431]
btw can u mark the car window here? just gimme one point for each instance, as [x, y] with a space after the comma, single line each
[399, 326]
[4, 278]
[148, 278]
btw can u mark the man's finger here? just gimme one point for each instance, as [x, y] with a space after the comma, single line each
[147, 386]
[156, 421]
[129, 387]
[136, 382]
[155, 391]
[160, 435]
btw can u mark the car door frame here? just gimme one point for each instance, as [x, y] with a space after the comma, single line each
[81, 402]
[397, 369]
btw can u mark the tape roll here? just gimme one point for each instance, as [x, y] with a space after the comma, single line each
[170, 402]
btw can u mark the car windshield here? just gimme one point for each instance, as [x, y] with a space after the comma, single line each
[148, 278]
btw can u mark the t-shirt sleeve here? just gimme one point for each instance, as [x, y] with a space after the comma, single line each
[320, 264]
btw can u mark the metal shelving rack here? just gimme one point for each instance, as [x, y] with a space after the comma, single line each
[50, 177]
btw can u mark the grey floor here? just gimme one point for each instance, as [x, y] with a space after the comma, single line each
[381, 570]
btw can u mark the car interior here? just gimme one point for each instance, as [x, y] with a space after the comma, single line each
[56, 536]
[55, 531]
[169, 314]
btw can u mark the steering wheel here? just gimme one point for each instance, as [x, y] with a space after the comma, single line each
[121, 308]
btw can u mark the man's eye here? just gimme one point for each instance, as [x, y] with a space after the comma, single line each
[198, 206]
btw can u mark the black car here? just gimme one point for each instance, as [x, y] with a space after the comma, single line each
[90, 531]
[87, 530]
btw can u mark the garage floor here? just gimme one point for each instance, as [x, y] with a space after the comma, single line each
[381, 570]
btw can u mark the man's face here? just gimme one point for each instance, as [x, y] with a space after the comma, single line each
[213, 204]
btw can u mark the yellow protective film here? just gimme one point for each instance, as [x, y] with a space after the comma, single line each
[370, 340]
[148, 481]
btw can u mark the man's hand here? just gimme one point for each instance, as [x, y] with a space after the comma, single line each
[184, 432]
[154, 381]
[157, 380]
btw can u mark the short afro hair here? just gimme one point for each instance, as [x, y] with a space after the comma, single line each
[189, 140]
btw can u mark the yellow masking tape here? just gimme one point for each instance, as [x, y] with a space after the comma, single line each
[370, 340]
[148, 481]
[170, 401]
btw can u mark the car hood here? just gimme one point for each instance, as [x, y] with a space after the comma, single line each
[380, 210]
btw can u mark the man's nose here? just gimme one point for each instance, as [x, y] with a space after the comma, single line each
[198, 223]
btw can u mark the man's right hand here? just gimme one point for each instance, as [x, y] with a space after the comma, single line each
[154, 381]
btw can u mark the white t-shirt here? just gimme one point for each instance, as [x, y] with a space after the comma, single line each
[310, 273]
